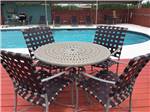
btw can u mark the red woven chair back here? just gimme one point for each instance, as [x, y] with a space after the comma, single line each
[22, 72]
[111, 37]
[124, 86]
[36, 37]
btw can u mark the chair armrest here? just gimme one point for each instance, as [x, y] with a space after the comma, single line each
[56, 75]
[36, 62]
[115, 51]
[98, 79]
[120, 62]
[52, 77]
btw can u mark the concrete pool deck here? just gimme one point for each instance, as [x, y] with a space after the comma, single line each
[128, 51]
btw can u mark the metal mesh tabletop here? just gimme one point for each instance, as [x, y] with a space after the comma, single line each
[72, 53]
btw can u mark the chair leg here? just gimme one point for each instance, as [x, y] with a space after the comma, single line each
[72, 94]
[107, 106]
[46, 102]
[130, 103]
[15, 101]
[92, 68]
[77, 96]
[117, 68]
[88, 98]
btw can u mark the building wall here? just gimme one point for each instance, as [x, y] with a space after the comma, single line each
[136, 16]
[34, 10]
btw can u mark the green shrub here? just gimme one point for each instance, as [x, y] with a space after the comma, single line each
[112, 6]
[146, 5]
[68, 7]
[115, 6]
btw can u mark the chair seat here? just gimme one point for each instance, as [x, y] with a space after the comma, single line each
[28, 79]
[57, 85]
[100, 90]
[53, 88]
[106, 64]
[111, 95]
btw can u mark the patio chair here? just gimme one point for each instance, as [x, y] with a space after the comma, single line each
[74, 20]
[36, 37]
[22, 17]
[42, 20]
[29, 19]
[35, 85]
[88, 20]
[57, 20]
[111, 89]
[111, 37]
[108, 19]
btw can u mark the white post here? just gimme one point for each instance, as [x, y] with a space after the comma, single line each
[46, 17]
[96, 12]
[140, 4]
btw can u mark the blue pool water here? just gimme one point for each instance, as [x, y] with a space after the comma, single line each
[14, 39]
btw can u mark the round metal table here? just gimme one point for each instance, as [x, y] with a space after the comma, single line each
[72, 54]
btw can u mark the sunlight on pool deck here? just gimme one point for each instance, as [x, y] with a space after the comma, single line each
[129, 51]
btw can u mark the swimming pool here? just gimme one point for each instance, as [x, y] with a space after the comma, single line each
[14, 38]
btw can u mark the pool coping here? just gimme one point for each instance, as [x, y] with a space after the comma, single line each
[128, 51]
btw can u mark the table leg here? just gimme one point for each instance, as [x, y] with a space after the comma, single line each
[77, 96]
[72, 94]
